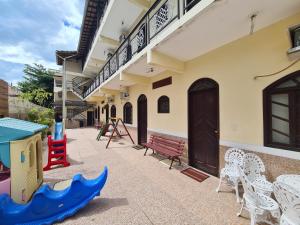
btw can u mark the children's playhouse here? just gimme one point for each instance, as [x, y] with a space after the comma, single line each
[22, 198]
[21, 169]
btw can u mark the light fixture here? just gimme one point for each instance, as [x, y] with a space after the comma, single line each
[150, 70]
[252, 21]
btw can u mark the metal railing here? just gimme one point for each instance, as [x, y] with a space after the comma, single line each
[79, 85]
[158, 17]
[189, 4]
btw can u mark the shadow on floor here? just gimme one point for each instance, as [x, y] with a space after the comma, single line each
[164, 160]
[51, 181]
[100, 205]
[74, 162]
[69, 140]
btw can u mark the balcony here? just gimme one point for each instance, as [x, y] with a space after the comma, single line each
[161, 14]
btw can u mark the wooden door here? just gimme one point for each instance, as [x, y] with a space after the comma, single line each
[203, 134]
[90, 118]
[113, 112]
[106, 108]
[297, 118]
[142, 119]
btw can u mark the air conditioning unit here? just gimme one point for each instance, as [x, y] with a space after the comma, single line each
[294, 51]
[124, 95]
[110, 99]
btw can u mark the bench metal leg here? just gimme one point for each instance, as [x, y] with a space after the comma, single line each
[171, 164]
[146, 151]
[179, 161]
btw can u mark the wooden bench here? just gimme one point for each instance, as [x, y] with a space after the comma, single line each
[171, 148]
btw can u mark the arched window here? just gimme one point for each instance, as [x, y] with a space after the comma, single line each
[127, 113]
[113, 112]
[163, 104]
[282, 113]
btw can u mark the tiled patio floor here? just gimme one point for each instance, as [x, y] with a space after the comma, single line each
[141, 190]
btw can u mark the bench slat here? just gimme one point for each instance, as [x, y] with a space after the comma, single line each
[162, 144]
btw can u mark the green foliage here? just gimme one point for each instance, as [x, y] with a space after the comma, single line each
[38, 96]
[42, 116]
[37, 78]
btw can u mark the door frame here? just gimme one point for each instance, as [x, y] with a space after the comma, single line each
[92, 118]
[138, 127]
[218, 119]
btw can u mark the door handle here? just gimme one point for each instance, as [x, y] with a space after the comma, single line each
[216, 132]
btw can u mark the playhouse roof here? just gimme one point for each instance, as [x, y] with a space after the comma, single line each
[13, 129]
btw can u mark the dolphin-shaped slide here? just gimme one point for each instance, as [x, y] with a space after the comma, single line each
[48, 206]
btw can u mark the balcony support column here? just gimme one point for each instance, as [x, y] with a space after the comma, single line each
[134, 79]
[156, 58]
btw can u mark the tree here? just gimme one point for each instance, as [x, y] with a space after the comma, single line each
[38, 96]
[42, 116]
[38, 83]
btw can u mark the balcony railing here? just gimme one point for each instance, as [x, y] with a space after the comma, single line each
[158, 17]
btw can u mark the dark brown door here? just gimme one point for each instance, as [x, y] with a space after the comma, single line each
[106, 108]
[203, 113]
[297, 118]
[90, 118]
[98, 116]
[113, 112]
[142, 119]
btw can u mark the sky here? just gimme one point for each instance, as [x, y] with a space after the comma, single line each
[32, 30]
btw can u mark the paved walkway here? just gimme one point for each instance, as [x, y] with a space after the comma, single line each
[142, 190]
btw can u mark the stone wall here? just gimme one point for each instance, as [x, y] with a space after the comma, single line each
[3, 98]
[275, 165]
[18, 108]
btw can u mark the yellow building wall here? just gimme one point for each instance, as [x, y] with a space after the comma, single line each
[26, 176]
[234, 67]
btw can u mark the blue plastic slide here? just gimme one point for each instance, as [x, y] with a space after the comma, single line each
[58, 133]
[48, 206]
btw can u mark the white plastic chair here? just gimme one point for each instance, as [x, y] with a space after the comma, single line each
[260, 206]
[292, 215]
[289, 201]
[230, 173]
[254, 168]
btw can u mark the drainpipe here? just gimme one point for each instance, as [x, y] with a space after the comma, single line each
[64, 89]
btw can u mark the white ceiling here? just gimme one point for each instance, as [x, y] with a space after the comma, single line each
[114, 83]
[118, 20]
[224, 22]
[140, 67]
[121, 18]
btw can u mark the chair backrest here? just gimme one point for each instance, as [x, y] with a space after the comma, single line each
[234, 156]
[253, 166]
[245, 182]
[287, 196]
